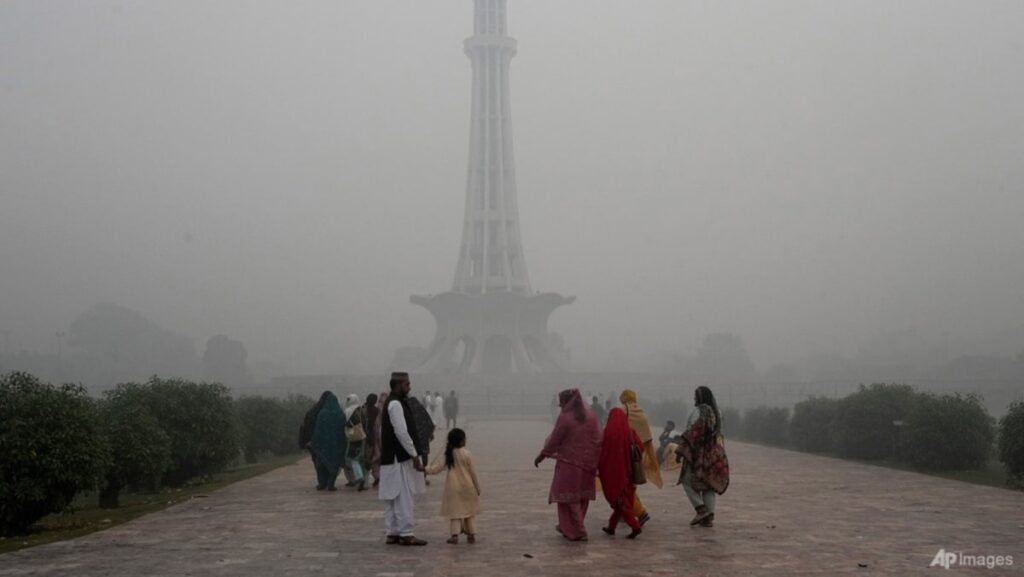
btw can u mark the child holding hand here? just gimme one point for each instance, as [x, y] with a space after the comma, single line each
[461, 501]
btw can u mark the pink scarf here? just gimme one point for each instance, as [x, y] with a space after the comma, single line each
[576, 438]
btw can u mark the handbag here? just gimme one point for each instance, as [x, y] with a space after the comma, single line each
[637, 476]
[354, 433]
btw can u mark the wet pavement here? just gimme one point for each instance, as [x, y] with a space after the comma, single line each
[785, 513]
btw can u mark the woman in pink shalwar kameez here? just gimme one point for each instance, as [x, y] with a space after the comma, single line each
[575, 444]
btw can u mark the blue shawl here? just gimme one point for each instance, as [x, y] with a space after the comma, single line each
[329, 443]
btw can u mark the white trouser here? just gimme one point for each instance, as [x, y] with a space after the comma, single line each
[398, 514]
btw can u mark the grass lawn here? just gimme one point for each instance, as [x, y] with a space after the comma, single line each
[84, 516]
[992, 475]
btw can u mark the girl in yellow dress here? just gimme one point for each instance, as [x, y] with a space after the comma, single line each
[461, 501]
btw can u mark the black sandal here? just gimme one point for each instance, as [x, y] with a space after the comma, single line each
[411, 541]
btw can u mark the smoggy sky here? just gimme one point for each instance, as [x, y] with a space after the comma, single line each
[806, 174]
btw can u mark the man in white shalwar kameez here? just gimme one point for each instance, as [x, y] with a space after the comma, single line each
[401, 467]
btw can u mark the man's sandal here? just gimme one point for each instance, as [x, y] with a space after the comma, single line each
[391, 540]
[410, 540]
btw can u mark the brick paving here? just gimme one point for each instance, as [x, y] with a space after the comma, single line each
[786, 513]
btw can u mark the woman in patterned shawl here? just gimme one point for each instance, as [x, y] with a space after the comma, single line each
[705, 470]
[638, 422]
[575, 445]
[328, 444]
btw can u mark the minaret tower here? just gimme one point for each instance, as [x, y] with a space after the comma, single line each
[491, 321]
[491, 257]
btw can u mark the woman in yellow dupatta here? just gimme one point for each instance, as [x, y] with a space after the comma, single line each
[638, 422]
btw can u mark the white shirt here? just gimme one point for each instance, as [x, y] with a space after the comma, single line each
[398, 476]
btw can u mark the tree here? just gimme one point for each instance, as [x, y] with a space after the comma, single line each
[51, 447]
[812, 422]
[768, 425]
[265, 426]
[224, 361]
[140, 448]
[201, 422]
[732, 422]
[117, 344]
[864, 425]
[948, 433]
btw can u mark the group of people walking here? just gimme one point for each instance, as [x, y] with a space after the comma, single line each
[396, 429]
[622, 456]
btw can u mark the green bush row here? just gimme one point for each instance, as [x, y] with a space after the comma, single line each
[57, 441]
[930, 432]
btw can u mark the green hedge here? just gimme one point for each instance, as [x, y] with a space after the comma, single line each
[269, 426]
[56, 441]
[51, 447]
[768, 425]
[810, 429]
[947, 433]
[863, 426]
[1011, 443]
[140, 447]
[201, 422]
[732, 422]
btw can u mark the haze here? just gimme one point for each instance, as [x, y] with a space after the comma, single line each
[807, 175]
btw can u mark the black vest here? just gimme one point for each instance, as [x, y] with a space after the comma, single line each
[392, 451]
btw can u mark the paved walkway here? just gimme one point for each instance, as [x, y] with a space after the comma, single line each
[786, 513]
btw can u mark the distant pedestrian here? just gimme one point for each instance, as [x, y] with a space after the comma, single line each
[705, 467]
[575, 444]
[615, 467]
[598, 410]
[461, 501]
[306, 430]
[437, 408]
[355, 433]
[427, 401]
[664, 439]
[451, 411]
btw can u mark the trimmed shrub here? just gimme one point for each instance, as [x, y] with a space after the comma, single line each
[51, 447]
[864, 420]
[264, 426]
[201, 422]
[295, 407]
[810, 429]
[140, 448]
[768, 425]
[948, 433]
[1011, 443]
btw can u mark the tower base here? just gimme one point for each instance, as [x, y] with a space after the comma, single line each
[491, 333]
